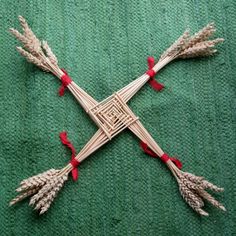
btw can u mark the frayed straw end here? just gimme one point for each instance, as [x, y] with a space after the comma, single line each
[21, 18]
[220, 40]
[19, 189]
[43, 211]
[217, 189]
[202, 212]
[19, 49]
[11, 203]
[222, 208]
[31, 203]
[13, 31]
[37, 207]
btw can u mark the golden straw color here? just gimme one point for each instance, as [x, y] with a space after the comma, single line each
[113, 115]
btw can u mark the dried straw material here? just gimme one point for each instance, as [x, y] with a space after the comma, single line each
[113, 115]
[44, 188]
[192, 189]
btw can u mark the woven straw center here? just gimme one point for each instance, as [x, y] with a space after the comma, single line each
[112, 115]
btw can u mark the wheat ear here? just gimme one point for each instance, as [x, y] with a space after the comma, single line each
[43, 188]
[192, 189]
[35, 51]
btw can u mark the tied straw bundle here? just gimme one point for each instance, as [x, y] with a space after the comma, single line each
[44, 187]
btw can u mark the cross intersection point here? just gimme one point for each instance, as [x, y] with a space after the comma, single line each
[112, 115]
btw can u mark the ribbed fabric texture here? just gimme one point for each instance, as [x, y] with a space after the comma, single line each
[104, 45]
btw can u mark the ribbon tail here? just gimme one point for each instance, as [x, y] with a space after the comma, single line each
[74, 162]
[156, 85]
[75, 174]
[177, 162]
[151, 62]
[63, 137]
[66, 142]
[147, 150]
[61, 90]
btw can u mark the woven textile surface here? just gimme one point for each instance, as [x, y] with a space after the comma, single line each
[104, 45]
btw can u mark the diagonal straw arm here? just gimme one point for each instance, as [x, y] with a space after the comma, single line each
[138, 129]
[132, 88]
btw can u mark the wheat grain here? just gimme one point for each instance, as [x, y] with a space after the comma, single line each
[19, 36]
[188, 183]
[34, 51]
[201, 35]
[192, 178]
[45, 196]
[32, 43]
[208, 185]
[36, 181]
[51, 196]
[32, 59]
[198, 53]
[201, 212]
[211, 199]
[23, 195]
[176, 46]
[44, 188]
[43, 191]
[200, 49]
[192, 199]
[50, 172]
[192, 189]
[49, 52]
[44, 199]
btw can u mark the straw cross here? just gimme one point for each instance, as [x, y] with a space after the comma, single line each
[112, 116]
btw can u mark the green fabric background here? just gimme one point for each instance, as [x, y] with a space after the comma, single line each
[104, 46]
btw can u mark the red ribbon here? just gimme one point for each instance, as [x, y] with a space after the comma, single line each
[73, 161]
[165, 157]
[155, 85]
[65, 80]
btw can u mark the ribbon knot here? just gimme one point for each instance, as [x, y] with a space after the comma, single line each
[165, 157]
[155, 85]
[65, 80]
[75, 163]
[151, 73]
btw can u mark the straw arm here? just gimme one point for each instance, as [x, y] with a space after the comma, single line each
[98, 140]
[132, 88]
[84, 99]
[138, 129]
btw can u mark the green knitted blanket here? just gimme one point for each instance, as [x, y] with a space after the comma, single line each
[104, 45]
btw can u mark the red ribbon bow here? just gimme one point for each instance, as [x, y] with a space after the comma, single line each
[65, 80]
[155, 85]
[165, 157]
[73, 161]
